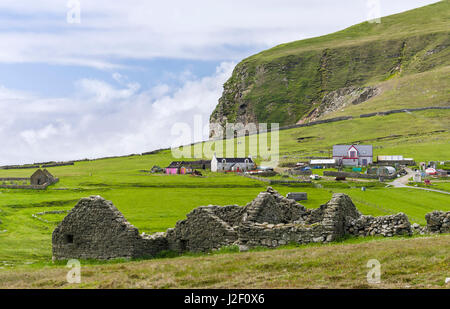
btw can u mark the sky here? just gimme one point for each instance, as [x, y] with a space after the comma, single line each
[92, 78]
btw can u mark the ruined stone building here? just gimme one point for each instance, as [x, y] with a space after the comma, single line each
[96, 229]
[41, 177]
[40, 180]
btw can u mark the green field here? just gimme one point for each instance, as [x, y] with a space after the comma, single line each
[154, 203]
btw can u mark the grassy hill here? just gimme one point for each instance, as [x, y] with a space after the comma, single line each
[288, 82]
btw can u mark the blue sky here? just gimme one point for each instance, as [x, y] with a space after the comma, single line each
[116, 82]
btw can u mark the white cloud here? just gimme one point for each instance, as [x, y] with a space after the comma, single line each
[138, 29]
[39, 129]
[103, 92]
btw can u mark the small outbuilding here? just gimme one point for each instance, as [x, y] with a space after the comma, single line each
[322, 163]
[41, 177]
[157, 169]
[297, 196]
[431, 171]
[417, 178]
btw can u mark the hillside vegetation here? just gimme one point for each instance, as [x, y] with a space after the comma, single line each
[154, 203]
[288, 82]
[405, 263]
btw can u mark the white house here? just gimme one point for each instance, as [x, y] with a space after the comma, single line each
[353, 155]
[232, 164]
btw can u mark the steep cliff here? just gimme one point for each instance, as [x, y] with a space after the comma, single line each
[305, 80]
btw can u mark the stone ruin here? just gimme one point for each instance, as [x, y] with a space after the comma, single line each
[95, 228]
[40, 180]
[438, 222]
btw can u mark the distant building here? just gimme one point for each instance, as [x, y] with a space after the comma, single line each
[387, 171]
[431, 171]
[41, 177]
[232, 164]
[417, 178]
[177, 167]
[382, 171]
[200, 164]
[353, 155]
[442, 173]
[157, 169]
[322, 162]
[385, 160]
[297, 196]
[186, 167]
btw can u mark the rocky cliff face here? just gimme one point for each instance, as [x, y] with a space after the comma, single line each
[339, 99]
[305, 80]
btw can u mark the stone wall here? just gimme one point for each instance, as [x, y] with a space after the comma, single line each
[438, 222]
[295, 171]
[205, 228]
[17, 167]
[387, 226]
[32, 187]
[356, 175]
[277, 181]
[15, 179]
[95, 229]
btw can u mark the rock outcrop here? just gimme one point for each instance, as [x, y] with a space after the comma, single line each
[339, 99]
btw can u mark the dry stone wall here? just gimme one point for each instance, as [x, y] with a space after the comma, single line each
[387, 226]
[438, 222]
[205, 228]
[356, 175]
[95, 229]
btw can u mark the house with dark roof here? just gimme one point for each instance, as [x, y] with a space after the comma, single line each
[232, 164]
[353, 155]
[200, 164]
[176, 167]
[186, 167]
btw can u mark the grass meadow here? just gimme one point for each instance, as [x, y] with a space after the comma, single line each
[155, 202]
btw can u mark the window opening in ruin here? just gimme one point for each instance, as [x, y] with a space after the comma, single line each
[69, 239]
